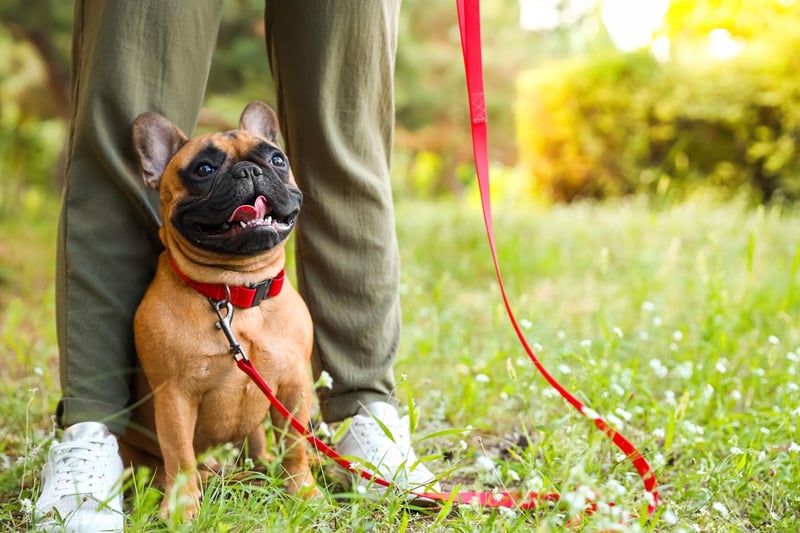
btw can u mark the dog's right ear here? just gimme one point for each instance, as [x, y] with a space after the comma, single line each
[156, 140]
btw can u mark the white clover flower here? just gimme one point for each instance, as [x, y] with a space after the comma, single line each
[772, 339]
[614, 420]
[484, 463]
[722, 365]
[648, 306]
[669, 518]
[658, 368]
[561, 334]
[658, 460]
[38, 371]
[26, 505]
[586, 343]
[736, 395]
[623, 413]
[324, 430]
[643, 335]
[462, 445]
[618, 332]
[677, 335]
[537, 347]
[720, 508]
[657, 321]
[693, 428]
[513, 476]
[659, 433]
[735, 450]
[564, 369]
[683, 370]
[325, 381]
[617, 389]
[708, 392]
[508, 512]
[550, 393]
[534, 484]
[615, 487]
[482, 378]
[764, 431]
[669, 397]
[794, 447]
[525, 323]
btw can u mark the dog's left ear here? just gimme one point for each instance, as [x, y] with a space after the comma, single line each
[259, 118]
[155, 140]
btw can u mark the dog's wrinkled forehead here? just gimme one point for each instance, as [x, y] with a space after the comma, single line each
[218, 152]
[221, 147]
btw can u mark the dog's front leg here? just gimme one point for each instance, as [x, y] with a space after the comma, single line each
[295, 460]
[176, 418]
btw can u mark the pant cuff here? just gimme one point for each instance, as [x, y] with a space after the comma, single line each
[75, 410]
[344, 406]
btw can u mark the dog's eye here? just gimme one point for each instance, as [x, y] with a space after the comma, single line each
[278, 160]
[204, 169]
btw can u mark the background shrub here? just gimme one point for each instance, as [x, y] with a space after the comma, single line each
[623, 123]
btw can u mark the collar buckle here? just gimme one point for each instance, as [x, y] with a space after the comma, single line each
[262, 289]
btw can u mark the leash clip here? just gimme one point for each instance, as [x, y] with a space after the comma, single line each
[224, 324]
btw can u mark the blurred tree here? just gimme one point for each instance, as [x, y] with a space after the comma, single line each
[45, 25]
[432, 114]
[694, 19]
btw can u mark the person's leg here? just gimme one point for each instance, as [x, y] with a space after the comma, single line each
[128, 57]
[333, 65]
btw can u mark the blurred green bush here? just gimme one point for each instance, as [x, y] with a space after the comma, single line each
[621, 124]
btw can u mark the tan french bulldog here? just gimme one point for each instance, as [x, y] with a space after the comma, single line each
[228, 204]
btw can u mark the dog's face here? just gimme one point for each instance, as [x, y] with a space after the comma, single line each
[228, 193]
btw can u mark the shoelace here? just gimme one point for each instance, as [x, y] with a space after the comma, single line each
[77, 469]
[375, 439]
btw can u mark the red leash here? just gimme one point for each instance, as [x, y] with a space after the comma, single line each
[469, 23]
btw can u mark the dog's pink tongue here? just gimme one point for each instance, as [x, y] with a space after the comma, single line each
[245, 213]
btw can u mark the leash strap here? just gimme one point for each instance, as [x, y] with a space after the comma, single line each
[485, 499]
[469, 25]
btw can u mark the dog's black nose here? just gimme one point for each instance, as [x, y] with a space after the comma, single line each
[246, 169]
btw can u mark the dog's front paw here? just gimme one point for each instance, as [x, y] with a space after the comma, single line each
[181, 501]
[303, 486]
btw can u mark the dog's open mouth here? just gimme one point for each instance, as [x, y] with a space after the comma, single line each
[259, 214]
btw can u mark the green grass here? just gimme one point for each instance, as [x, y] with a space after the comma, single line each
[678, 325]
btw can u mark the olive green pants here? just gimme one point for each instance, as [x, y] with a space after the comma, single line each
[333, 64]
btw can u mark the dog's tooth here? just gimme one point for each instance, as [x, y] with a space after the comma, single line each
[242, 224]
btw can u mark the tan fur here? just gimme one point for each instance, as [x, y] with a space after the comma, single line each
[199, 396]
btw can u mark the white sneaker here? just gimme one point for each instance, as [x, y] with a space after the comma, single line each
[81, 483]
[392, 457]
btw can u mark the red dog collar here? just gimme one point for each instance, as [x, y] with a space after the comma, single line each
[239, 296]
